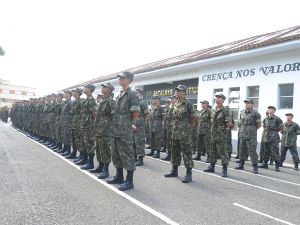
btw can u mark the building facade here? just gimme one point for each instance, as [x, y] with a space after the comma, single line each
[10, 93]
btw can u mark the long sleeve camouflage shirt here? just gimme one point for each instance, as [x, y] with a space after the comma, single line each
[289, 134]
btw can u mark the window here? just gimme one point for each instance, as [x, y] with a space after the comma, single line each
[4, 99]
[286, 96]
[5, 91]
[233, 101]
[253, 93]
[18, 92]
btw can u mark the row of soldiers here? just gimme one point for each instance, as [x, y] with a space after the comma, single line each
[116, 130]
[4, 113]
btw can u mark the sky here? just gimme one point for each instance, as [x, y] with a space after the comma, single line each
[53, 44]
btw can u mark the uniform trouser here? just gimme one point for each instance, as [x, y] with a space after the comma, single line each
[262, 150]
[169, 140]
[67, 135]
[88, 141]
[194, 136]
[271, 149]
[248, 147]
[204, 144]
[76, 139]
[58, 133]
[165, 138]
[123, 153]
[219, 148]
[155, 141]
[139, 143]
[293, 151]
[184, 147]
[229, 141]
[103, 148]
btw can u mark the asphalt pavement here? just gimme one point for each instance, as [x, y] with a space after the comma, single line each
[39, 186]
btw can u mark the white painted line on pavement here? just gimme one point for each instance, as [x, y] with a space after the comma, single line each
[236, 181]
[263, 214]
[260, 175]
[124, 195]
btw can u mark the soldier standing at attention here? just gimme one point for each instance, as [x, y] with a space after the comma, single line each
[66, 118]
[139, 134]
[183, 118]
[156, 118]
[87, 125]
[249, 122]
[58, 128]
[220, 122]
[203, 131]
[272, 125]
[104, 117]
[123, 124]
[290, 130]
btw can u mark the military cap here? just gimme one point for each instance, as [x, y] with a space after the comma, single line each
[90, 86]
[139, 90]
[60, 94]
[99, 95]
[209, 106]
[68, 91]
[109, 85]
[173, 96]
[78, 90]
[272, 107]
[168, 101]
[156, 97]
[289, 114]
[181, 87]
[126, 74]
[220, 96]
[205, 102]
[249, 101]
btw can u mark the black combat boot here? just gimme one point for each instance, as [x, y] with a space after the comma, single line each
[188, 176]
[63, 150]
[277, 166]
[296, 166]
[255, 169]
[210, 169]
[140, 161]
[104, 172]
[167, 157]
[53, 144]
[264, 165]
[128, 184]
[79, 157]
[68, 151]
[198, 156]
[281, 163]
[72, 155]
[98, 169]
[90, 163]
[151, 153]
[83, 161]
[224, 170]
[163, 149]
[173, 172]
[240, 166]
[157, 155]
[118, 179]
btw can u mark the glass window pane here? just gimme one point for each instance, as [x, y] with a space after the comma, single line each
[286, 90]
[286, 102]
[253, 91]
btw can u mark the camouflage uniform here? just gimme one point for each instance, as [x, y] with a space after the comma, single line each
[122, 133]
[289, 140]
[76, 107]
[139, 134]
[248, 135]
[58, 122]
[87, 125]
[67, 122]
[182, 116]
[156, 123]
[219, 119]
[271, 139]
[103, 129]
[203, 131]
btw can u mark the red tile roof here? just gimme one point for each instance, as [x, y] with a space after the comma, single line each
[258, 41]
